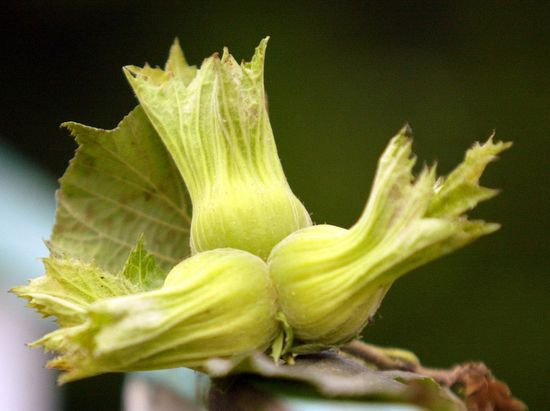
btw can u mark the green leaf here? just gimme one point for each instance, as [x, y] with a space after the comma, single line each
[332, 375]
[69, 286]
[141, 269]
[121, 184]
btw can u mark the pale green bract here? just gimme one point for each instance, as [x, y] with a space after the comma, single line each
[215, 125]
[331, 281]
[70, 286]
[208, 129]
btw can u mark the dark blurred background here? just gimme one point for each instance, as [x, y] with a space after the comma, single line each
[342, 78]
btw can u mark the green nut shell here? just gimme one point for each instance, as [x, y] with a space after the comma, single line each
[319, 287]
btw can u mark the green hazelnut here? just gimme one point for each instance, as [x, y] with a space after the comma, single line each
[214, 123]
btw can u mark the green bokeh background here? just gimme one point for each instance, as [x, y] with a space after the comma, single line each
[342, 78]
